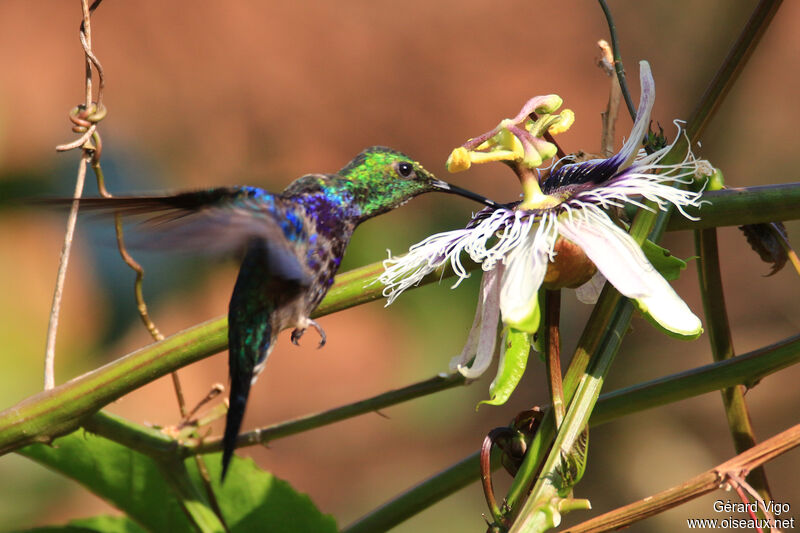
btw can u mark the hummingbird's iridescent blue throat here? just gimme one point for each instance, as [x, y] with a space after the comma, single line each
[293, 243]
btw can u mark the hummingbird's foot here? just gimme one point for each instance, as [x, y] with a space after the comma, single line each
[298, 332]
[322, 337]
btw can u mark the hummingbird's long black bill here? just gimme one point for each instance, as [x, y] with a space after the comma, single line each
[446, 187]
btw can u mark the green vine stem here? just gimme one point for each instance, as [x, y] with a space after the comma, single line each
[743, 205]
[618, 67]
[420, 497]
[747, 368]
[156, 444]
[670, 389]
[263, 435]
[534, 513]
[146, 440]
[609, 320]
[719, 336]
[60, 410]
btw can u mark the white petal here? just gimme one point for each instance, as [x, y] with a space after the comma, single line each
[622, 261]
[471, 346]
[526, 266]
[589, 292]
[646, 100]
[623, 159]
[669, 311]
[483, 335]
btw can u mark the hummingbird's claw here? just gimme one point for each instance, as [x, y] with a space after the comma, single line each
[298, 332]
[322, 337]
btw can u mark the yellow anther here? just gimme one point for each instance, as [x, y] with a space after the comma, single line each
[459, 160]
[566, 118]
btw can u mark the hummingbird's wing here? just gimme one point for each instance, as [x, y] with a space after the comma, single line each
[219, 220]
[272, 231]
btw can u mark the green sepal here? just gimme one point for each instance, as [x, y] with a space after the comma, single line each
[517, 346]
[530, 324]
[573, 464]
[662, 259]
[716, 181]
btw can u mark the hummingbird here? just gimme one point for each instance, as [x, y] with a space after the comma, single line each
[293, 245]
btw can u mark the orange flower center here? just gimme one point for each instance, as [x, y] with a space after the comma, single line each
[570, 268]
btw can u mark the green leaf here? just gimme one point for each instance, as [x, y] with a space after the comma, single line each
[95, 524]
[159, 494]
[252, 499]
[126, 479]
[512, 366]
[667, 264]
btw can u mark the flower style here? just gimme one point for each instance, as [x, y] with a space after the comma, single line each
[560, 231]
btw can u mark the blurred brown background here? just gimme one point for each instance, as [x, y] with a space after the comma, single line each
[210, 93]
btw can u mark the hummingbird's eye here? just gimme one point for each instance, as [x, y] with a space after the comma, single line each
[405, 169]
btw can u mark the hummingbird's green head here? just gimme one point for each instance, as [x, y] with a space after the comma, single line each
[381, 179]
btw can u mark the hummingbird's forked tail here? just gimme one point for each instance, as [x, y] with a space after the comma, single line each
[250, 341]
[246, 362]
[233, 421]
